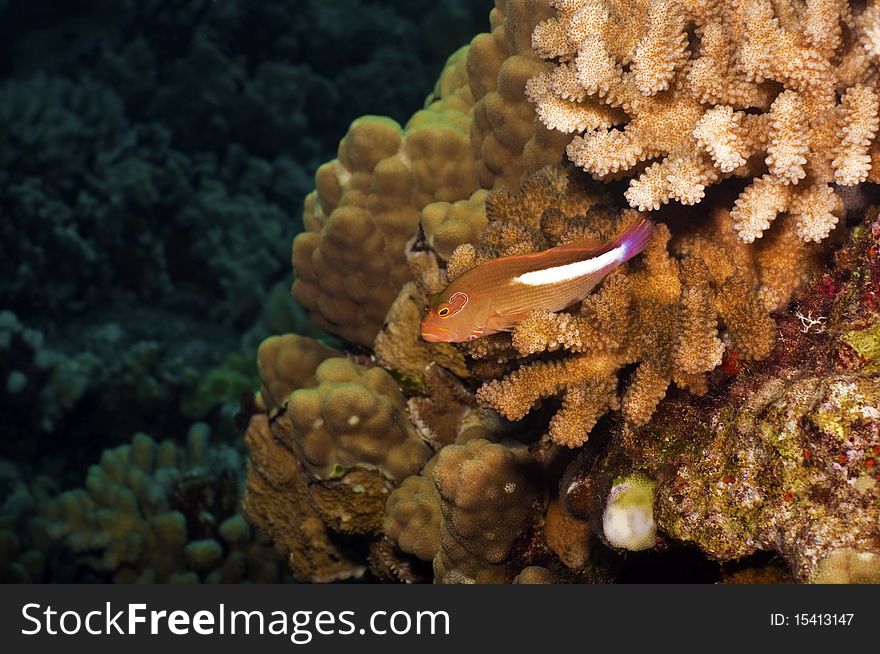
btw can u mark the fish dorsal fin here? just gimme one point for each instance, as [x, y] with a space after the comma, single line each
[586, 246]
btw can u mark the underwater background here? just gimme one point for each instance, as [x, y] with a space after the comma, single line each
[245, 247]
[154, 157]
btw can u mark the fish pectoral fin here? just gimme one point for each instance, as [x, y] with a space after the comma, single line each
[505, 322]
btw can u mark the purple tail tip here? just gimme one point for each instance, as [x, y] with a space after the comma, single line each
[636, 237]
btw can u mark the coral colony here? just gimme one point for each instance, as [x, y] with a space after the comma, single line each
[683, 401]
[714, 401]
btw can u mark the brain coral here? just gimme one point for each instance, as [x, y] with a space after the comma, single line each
[678, 95]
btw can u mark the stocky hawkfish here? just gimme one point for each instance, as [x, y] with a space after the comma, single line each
[496, 295]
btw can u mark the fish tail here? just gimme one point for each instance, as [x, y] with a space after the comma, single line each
[635, 238]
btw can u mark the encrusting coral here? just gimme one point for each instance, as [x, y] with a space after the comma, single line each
[277, 502]
[677, 96]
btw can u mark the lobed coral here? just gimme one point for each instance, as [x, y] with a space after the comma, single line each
[373, 193]
[486, 493]
[150, 154]
[329, 442]
[477, 130]
[413, 516]
[352, 416]
[156, 512]
[677, 96]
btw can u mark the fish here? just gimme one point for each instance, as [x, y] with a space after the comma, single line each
[496, 295]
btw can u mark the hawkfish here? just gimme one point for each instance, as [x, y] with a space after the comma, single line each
[496, 295]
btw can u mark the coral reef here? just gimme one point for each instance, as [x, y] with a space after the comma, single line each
[28, 554]
[156, 512]
[374, 193]
[486, 493]
[277, 502]
[679, 96]
[782, 455]
[352, 416]
[152, 156]
[675, 315]
[711, 322]
[329, 442]
[477, 130]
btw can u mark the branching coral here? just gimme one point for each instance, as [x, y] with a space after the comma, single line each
[664, 315]
[679, 95]
[696, 308]
[783, 456]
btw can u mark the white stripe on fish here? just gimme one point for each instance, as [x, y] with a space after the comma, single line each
[573, 270]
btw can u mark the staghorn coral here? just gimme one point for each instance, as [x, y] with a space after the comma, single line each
[665, 315]
[677, 96]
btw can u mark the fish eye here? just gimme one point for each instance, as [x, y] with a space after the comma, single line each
[443, 312]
